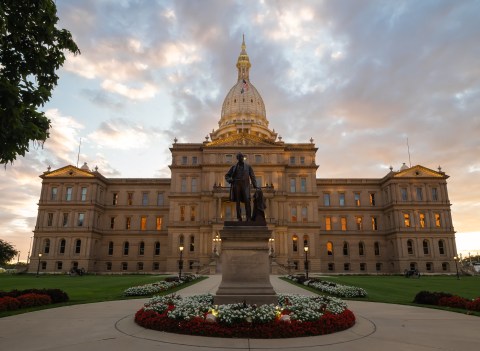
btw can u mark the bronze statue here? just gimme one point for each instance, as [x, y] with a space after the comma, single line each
[259, 206]
[239, 176]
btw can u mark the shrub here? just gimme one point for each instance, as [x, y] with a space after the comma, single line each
[8, 303]
[31, 300]
[429, 298]
[474, 305]
[453, 301]
[56, 295]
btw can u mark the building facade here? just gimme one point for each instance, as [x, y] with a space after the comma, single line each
[355, 225]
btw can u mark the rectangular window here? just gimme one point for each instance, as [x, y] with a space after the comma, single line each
[143, 223]
[192, 213]
[144, 199]
[341, 197]
[303, 185]
[258, 158]
[53, 194]
[372, 199]
[160, 199]
[194, 185]
[357, 199]
[84, 194]
[184, 160]
[419, 194]
[293, 212]
[292, 160]
[328, 223]
[293, 185]
[326, 199]
[422, 220]
[129, 199]
[81, 218]
[228, 158]
[228, 212]
[343, 222]
[358, 220]
[304, 215]
[259, 181]
[406, 220]
[50, 219]
[434, 194]
[65, 219]
[182, 213]
[115, 199]
[403, 192]
[374, 223]
[194, 160]
[158, 223]
[68, 194]
[437, 220]
[183, 185]
[128, 222]
[302, 160]
[112, 222]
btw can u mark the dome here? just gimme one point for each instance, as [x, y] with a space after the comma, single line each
[85, 167]
[404, 167]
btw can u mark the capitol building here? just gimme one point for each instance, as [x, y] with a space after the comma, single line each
[340, 226]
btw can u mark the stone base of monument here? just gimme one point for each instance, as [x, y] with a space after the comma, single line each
[245, 265]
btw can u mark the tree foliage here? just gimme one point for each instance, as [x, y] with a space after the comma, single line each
[31, 50]
[7, 252]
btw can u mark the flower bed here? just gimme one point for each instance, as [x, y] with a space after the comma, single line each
[330, 287]
[295, 316]
[447, 300]
[16, 299]
[155, 288]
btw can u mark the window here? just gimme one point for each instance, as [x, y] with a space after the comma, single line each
[78, 246]
[346, 266]
[157, 248]
[182, 213]
[115, 199]
[441, 247]
[403, 193]
[329, 248]
[50, 219]
[292, 160]
[293, 186]
[110, 248]
[303, 185]
[295, 243]
[158, 223]
[128, 222]
[192, 243]
[63, 243]
[302, 160]
[304, 215]
[363, 266]
[305, 241]
[59, 265]
[108, 266]
[68, 194]
[419, 194]
[374, 223]
[140, 266]
[124, 266]
[422, 220]
[341, 198]
[181, 240]
[160, 199]
[426, 247]
[358, 221]
[194, 185]
[129, 199]
[437, 220]
[434, 194]
[326, 199]
[126, 247]
[143, 223]
[372, 199]
[183, 185]
[345, 248]
[81, 218]
[184, 160]
[83, 194]
[378, 267]
[376, 248]
[156, 266]
[193, 213]
[361, 248]
[46, 246]
[194, 160]
[445, 266]
[343, 223]
[428, 266]
[53, 194]
[410, 247]
[406, 220]
[112, 222]
[328, 223]
[228, 158]
[44, 265]
[331, 266]
[258, 158]
[228, 212]
[65, 219]
[141, 249]
[356, 197]
[259, 181]
[144, 199]
[293, 212]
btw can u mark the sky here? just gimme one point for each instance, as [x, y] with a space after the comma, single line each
[359, 77]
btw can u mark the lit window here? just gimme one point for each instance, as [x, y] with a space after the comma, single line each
[326, 199]
[343, 222]
[406, 220]
[192, 243]
[182, 213]
[53, 195]
[159, 223]
[50, 219]
[358, 220]
[303, 185]
[341, 197]
[419, 194]
[144, 199]
[114, 198]
[84, 194]
[403, 192]
[422, 220]
[143, 223]
[128, 222]
[434, 194]
[374, 223]
[357, 199]
[293, 187]
[437, 220]
[68, 194]
[130, 199]
[81, 218]
[295, 243]
[372, 199]
[329, 248]
[328, 223]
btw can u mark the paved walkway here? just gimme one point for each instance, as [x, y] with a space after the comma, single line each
[109, 326]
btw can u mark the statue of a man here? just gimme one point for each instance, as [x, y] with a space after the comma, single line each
[239, 176]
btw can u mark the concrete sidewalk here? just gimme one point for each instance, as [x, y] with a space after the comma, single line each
[109, 326]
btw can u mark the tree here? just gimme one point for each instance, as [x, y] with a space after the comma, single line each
[31, 50]
[7, 252]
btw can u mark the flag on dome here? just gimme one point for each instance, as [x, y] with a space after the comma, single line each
[244, 87]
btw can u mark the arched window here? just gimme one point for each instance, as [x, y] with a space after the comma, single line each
[110, 248]
[361, 248]
[295, 243]
[192, 243]
[126, 247]
[305, 241]
[376, 247]
[330, 248]
[78, 246]
[63, 243]
[157, 248]
[441, 247]
[345, 248]
[426, 247]
[141, 248]
[46, 246]
[410, 247]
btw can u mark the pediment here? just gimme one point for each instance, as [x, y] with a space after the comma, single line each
[68, 171]
[419, 172]
[241, 140]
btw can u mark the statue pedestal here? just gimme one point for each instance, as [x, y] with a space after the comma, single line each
[245, 265]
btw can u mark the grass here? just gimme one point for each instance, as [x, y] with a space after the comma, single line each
[84, 289]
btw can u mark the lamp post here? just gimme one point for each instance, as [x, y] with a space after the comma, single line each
[180, 263]
[456, 266]
[216, 241]
[272, 244]
[306, 261]
[38, 266]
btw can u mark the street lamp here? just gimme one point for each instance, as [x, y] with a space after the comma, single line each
[456, 266]
[272, 244]
[216, 241]
[180, 263]
[306, 261]
[38, 267]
